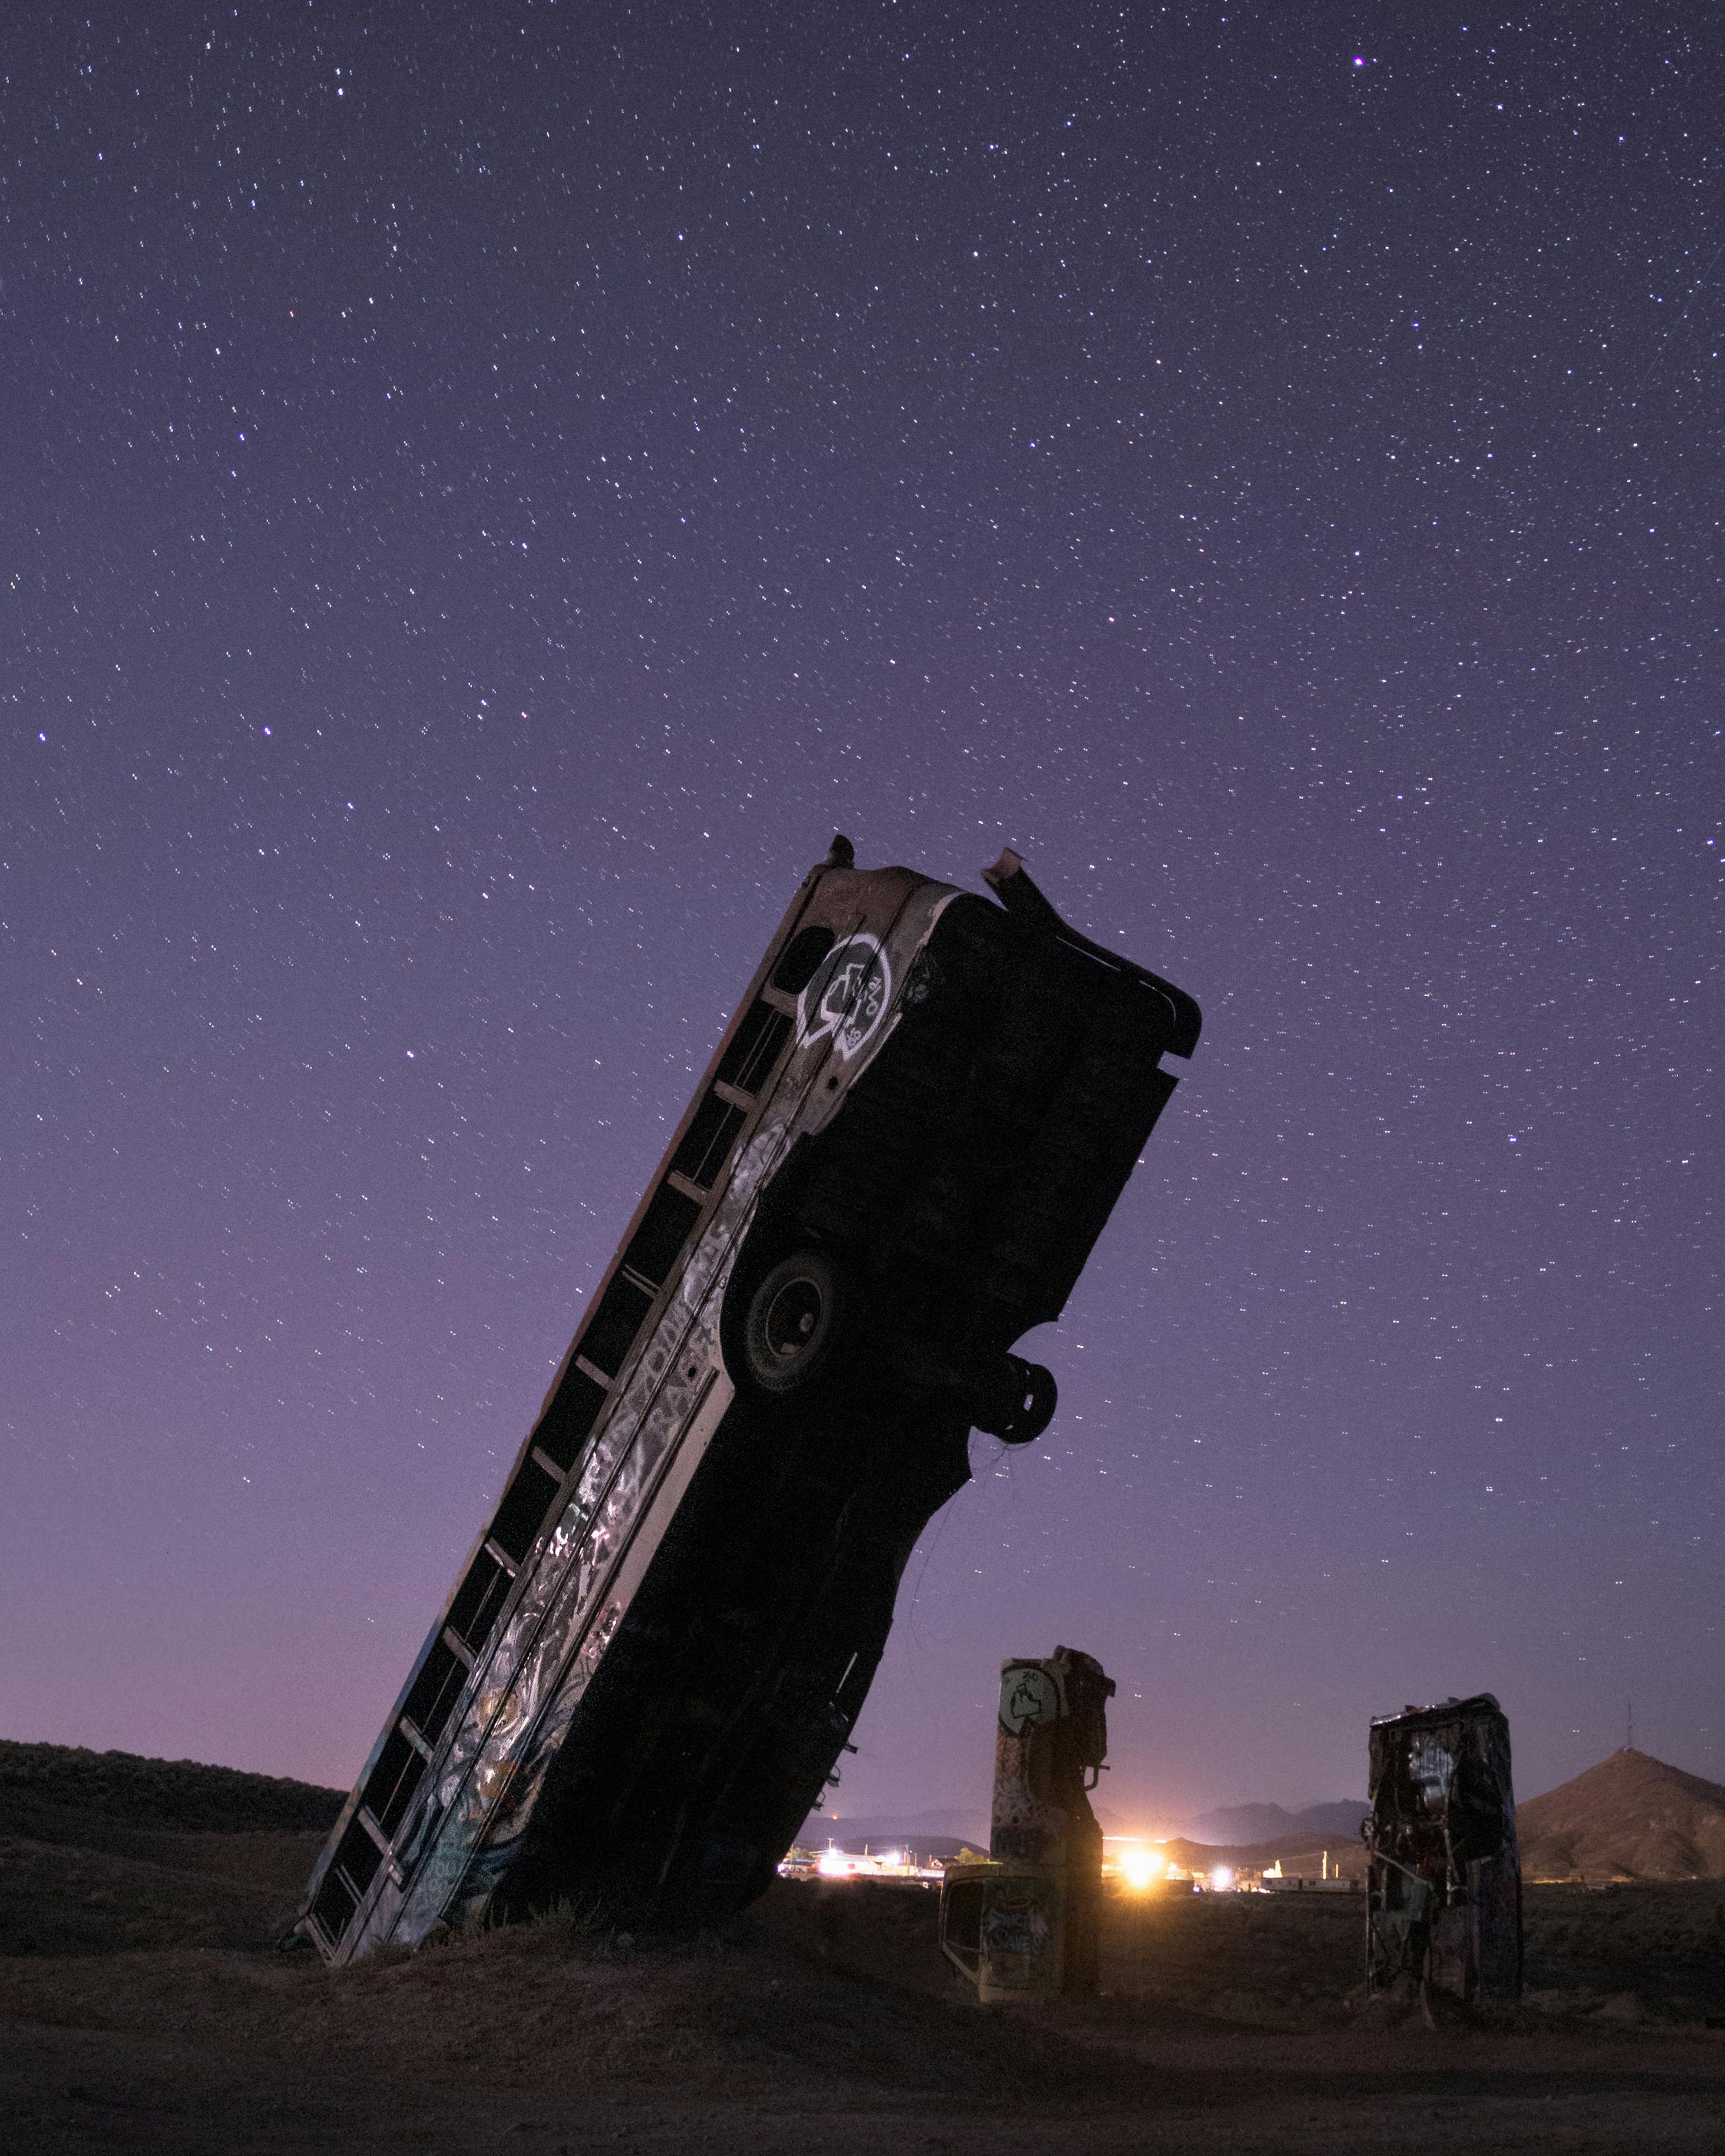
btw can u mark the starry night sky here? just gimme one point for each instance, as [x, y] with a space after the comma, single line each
[488, 490]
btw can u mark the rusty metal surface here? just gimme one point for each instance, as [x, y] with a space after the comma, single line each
[660, 1641]
[1444, 1906]
[1025, 1924]
[1050, 1743]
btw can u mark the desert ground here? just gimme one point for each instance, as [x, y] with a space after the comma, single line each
[145, 2003]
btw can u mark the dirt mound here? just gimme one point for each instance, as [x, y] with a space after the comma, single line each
[808, 1995]
[802, 1994]
[1631, 1817]
[61, 1793]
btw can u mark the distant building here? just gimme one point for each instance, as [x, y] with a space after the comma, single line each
[1329, 1880]
[900, 1866]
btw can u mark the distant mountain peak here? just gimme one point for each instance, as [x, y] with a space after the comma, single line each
[1630, 1816]
[1236, 1826]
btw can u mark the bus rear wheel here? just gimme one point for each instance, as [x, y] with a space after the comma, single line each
[801, 1320]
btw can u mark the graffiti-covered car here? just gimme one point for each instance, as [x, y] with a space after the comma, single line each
[906, 1143]
[1443, 1904]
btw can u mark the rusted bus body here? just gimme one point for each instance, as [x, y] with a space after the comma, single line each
[1444, 1906]
[897, 1162]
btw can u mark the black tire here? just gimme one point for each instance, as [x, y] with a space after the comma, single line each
[1020, 1403]
[801, 1322]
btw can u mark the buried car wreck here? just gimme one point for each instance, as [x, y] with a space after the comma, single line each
[1443, 1908]
[910, 1137]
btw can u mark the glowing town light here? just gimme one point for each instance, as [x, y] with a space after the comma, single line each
[1221, 1879]
[832, 1864]
[1139, 1869]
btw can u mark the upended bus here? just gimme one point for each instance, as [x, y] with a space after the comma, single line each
[897, 1162]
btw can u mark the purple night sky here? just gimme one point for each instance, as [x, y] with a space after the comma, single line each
[487, 492]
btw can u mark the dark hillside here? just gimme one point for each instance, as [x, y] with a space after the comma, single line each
[1630, 1817]
[61, 1793]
